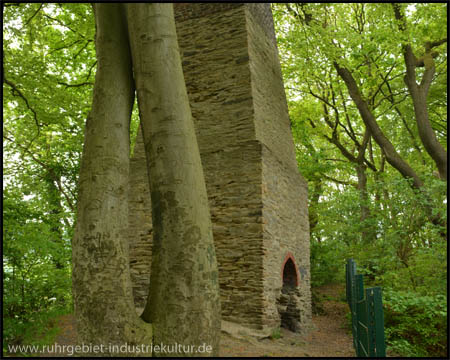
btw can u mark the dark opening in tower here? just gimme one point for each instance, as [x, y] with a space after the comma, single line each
[288, 302]
[289, 274]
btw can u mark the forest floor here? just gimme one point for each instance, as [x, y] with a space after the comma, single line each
[330, 336]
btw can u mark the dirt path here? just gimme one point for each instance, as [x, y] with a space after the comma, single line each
[330, 338]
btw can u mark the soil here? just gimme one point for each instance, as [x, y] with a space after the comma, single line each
[330, 337]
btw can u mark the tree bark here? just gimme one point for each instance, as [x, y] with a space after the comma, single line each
[104, 307]
[360, 166]
[312, 206]
[369, 120]
[183, 303]
[56, 214]
[365, 210]
[368, 231]
[419, 94]
[388, 149]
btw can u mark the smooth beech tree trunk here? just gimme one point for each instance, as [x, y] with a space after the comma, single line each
[183, 304]
[104, 308]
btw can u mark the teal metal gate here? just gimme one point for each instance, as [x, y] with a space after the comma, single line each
[367, 314]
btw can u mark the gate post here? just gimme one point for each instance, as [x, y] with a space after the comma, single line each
[377, 345]
[367, 314]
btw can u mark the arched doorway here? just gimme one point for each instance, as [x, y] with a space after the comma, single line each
[290, 278]
[288, 301]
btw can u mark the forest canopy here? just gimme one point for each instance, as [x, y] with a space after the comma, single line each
[366, 85]
[367, 92]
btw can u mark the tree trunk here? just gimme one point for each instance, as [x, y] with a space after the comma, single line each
[365, 211]
[55, 211]
[183, 303]
[102, 294]
[369, 120]
[368, 232]
[419, 94]
[388, 149]
[312, 207]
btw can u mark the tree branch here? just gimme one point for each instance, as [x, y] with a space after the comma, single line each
[90, 70]
[31, 18]
[419, 94]
[431, 44]
[63, 24]
[14, 91]
[342, 182]
[83, 47]
[75, 85]
[66, 46]
[392, 156]
[49, 169]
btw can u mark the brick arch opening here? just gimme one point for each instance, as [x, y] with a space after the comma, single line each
[290, 273]
[288, 301]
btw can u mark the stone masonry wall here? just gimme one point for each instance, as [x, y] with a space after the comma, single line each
[257, 197]
[285, 214]
[272, 123]
[286, 231]
[215, 64]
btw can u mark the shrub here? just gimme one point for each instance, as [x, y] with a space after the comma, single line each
[327, 263]
[276, 333]
[415, 325]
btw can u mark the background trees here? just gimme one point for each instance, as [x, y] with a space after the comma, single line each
[48, 72]
[359, 96]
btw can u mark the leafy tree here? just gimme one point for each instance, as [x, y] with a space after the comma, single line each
[50, 65]
[345, 67]
[374, 191]
[46, 51]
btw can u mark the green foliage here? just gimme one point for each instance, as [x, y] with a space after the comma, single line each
[416, 325]
[276, 334]
[324, 267]
[39, 329]
[36, 268]
[49, 70]
[383, 224]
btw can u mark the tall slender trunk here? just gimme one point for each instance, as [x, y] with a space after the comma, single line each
[56, 211]
[388, 149]
[312, 206]
[104, 307]
[363, 198]
[369, 120]
[419, 93]
[183, 303]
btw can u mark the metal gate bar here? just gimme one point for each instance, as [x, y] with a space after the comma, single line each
[366, 308]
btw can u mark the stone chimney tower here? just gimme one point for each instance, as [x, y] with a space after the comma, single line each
[257, 197]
